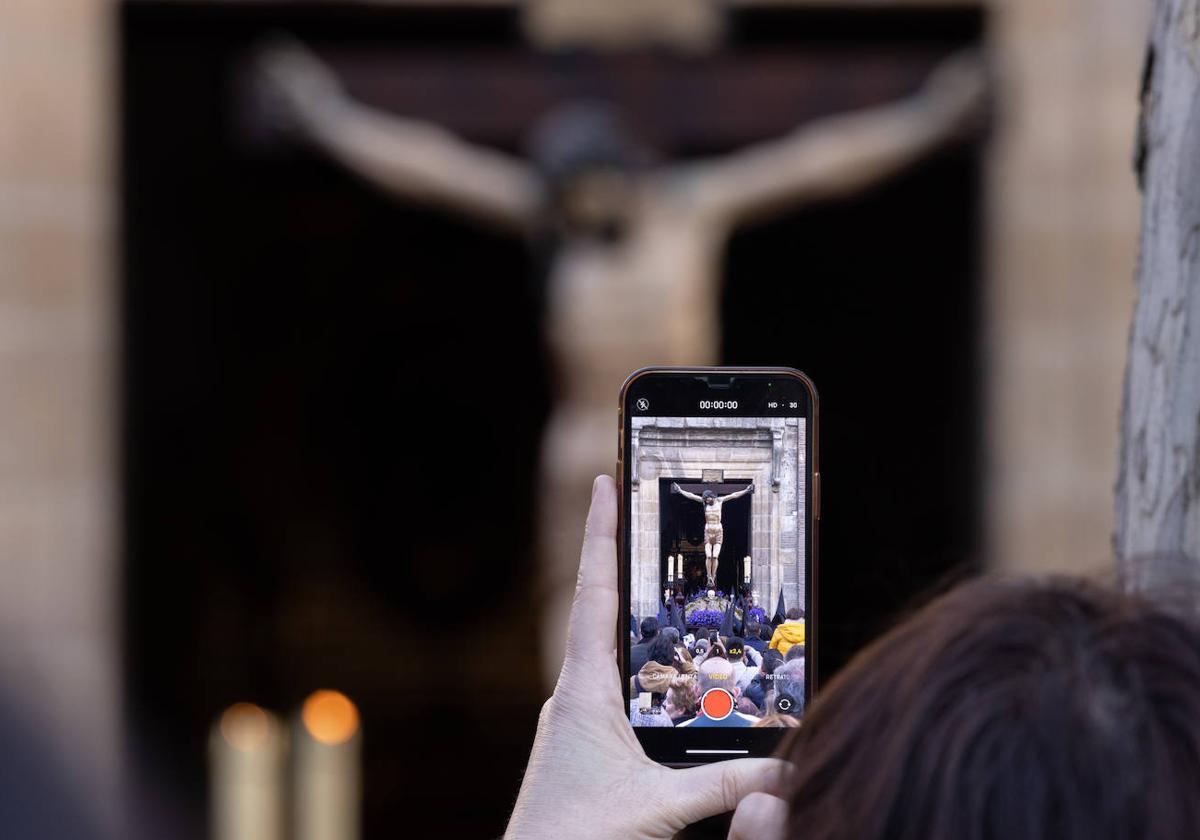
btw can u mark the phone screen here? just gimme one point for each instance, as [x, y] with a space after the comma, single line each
[716, 489]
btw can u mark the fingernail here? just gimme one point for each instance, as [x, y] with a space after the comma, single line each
[595, 487]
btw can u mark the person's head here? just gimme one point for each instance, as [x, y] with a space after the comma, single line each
[717, 651]
[735, 648]
[752, 630]
[649, 628]
[794, 652]
[771, 659]
[1024, 709]
[671, 633]
[590, 160]
[717, 673]
[662, 650]
[787, 681]
[700, 648]
[708, 496]
[777, 719]
[655, 678]
[795, 613]
[681, 697]
[765, 632]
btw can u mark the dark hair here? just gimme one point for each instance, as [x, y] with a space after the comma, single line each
[735, 643]
[1009, 709]
[649, 627]
[752, 630]
[662, 650]
[794, 613]
[582, 136]
[772, 659]
[765, 632]
[708, 494]
[794, 652]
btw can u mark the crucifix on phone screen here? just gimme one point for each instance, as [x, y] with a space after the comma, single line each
[634, 274]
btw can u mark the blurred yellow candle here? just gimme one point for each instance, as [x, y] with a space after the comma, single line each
[246, 754]
[328, 786]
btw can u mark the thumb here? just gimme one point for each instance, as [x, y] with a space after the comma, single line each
[717, 788]
[759, 816]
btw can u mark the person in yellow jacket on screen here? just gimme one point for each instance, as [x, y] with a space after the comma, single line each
[791, 632]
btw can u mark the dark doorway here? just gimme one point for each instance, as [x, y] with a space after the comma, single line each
[681, 530]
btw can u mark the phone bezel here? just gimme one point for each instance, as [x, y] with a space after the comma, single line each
[668, 745]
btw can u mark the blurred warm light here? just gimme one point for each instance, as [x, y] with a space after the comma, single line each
[330, 717]
[245, 727]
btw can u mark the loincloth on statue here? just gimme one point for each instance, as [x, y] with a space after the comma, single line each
[714, 534]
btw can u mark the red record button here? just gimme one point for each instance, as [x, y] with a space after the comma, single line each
[717, 703]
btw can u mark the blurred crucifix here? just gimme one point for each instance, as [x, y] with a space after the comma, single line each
[635, 275]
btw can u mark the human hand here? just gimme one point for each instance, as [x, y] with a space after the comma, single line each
[588, 775]
[760, 816]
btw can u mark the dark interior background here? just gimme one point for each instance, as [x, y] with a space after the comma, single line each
[332, 401]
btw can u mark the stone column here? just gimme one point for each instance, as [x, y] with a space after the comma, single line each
[1063, 221]
[647, 580]
[58, 574]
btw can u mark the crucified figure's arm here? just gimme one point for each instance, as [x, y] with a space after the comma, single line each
[737, 494]
[410, 158]
[840, 155]
[675, 488]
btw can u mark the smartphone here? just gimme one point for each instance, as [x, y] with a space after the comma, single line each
[720, 497]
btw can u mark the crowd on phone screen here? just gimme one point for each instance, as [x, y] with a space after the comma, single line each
[762, 669]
